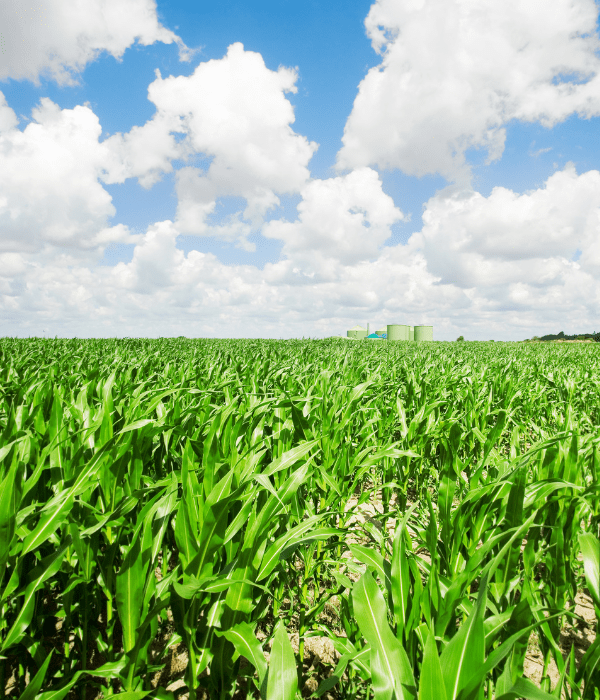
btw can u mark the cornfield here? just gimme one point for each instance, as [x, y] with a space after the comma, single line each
[232, 519]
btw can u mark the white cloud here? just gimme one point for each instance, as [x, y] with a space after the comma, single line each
[513, 255]
[453, 72]
[54, 38]
[50, 194]
[481, 265]
[535, 154]
[50, 197]
[232, 109]
[503, 265]
[342, 221]
[474, 241]
[235, 111]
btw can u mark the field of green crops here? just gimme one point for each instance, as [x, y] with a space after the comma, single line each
[230, 519]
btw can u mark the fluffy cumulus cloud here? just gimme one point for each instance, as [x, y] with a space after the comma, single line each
[478, 242]
[342, 221]
[53, 38]
[232, 110]
[451, 274]
[235, 112]
[531, 257]
[51, 201]
[453, 72]
[52, 204]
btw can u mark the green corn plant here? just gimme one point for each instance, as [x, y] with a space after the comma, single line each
[205, 493]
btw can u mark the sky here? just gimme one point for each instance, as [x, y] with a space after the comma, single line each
[292, 168]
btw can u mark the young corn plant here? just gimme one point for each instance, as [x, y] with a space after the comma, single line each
[208, 498]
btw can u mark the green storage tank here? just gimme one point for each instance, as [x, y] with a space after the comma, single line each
[357, 332]
[423, 333]
[411, 332]
[397, 331]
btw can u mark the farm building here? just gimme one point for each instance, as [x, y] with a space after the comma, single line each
[394, 331]
[357, 332]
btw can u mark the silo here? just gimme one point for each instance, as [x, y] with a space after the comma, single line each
[423, 333]
[411, 332]
[396, 331]
[382, 331]
[357, 332]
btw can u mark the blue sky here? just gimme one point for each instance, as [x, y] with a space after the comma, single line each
[315, 165]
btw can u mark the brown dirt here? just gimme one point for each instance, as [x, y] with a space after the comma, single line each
[580, 634]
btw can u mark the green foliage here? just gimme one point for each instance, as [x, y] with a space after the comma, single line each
[210, 496]
[561, 336]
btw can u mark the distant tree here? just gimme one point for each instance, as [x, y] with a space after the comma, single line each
[460, 338]
[561, 334]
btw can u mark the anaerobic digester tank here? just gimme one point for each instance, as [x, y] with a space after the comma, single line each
[357, 332]
[423, 333]
[397, 332]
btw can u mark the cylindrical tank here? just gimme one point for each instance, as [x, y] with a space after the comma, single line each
[397, 331]
[357, 332]
[411, 333]
[423, 333]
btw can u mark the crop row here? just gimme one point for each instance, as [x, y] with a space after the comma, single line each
[426, 513]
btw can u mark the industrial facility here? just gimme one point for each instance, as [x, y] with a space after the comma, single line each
[393, 331]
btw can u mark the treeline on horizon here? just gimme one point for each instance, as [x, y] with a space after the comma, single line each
[561, 336]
